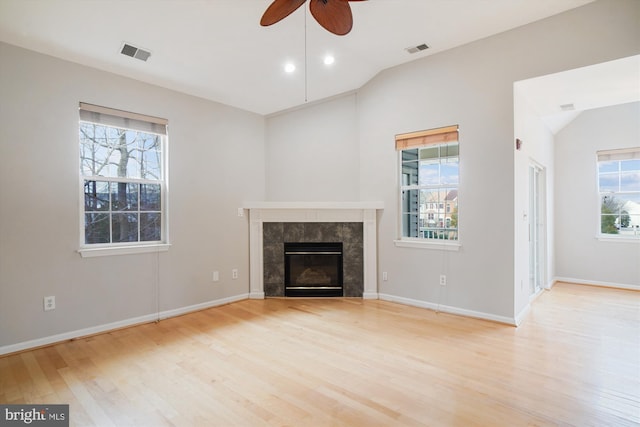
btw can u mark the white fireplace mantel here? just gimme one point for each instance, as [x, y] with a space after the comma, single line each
[364, 212]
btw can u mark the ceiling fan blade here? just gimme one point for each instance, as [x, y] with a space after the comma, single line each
[334, 15]
[279, 10]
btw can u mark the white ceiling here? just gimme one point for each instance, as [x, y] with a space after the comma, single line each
[217, 50]
[599, 85]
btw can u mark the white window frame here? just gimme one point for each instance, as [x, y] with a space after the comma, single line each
[434, 137]
[132, 121]
[614, 155]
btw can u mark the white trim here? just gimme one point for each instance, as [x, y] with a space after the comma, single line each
[520, 317]
[53, 339]
[596, 283]
[620, 239]
[449, 309]
[438, 245]
[370, 295]
[314, 205]
[123, 250]
[256, 295]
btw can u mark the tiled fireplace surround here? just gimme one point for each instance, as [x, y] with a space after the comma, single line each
[352, 223]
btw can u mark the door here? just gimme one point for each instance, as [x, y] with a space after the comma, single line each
[537, 229]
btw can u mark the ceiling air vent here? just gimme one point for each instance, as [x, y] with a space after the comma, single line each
[135, 52]
[418, 48]
[567, 107]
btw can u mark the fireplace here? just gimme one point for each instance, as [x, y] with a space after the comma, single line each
[313, 269]
[271, 224]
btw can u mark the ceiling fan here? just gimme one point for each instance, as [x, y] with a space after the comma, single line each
[334, 15]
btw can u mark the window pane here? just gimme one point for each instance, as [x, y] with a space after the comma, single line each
[124, 227]
[410, 201]
[449, 172]
[630, 181]
[608, 224]
[450, 150]
[150, 156]
[96, 228]
[410, 225]
[604, 167]
[608, 182]
[113, 152]
[93, 150]
[429, 173]
[150, 197]
[430, 153]
[96, 196]
[150, 226]
[630, 165]
[409, 155]
[124, 196]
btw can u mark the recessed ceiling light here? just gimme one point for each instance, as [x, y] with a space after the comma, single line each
[328, 60]
[289, 67]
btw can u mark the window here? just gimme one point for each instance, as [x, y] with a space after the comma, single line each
[429, 168]
[619, 190]
[122, 168]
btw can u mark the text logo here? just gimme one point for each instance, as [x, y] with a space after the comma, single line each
[34, 415]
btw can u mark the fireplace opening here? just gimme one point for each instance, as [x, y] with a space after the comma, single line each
[313, 270]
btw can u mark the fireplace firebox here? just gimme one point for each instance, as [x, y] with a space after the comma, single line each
[313, 269]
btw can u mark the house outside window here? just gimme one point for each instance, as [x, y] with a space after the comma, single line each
[123, 178]
[429, 169]
[619, 192]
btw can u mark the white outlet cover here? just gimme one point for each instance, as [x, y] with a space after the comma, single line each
[49, 303]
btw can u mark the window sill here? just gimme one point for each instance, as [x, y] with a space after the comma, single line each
[123, 250]
[438, 245]
[621, 239]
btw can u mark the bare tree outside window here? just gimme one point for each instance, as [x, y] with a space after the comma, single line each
[122, 179]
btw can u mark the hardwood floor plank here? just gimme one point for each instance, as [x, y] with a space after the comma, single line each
[350, 362]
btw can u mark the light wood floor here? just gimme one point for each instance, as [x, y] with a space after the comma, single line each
[347, 362]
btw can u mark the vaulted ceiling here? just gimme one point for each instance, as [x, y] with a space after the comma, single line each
[216, 49]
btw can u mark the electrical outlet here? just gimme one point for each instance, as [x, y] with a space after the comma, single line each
[443, 280]
[240, 212]
[234, 273]
[216, 276]
[49, 303]
[385, 276]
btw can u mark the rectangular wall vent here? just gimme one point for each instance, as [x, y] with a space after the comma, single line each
[134, 52]
[418, 48]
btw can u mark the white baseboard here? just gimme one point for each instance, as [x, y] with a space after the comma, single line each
[40, 342]
[523, 314]
[256, 295]
[370, 295]
[596, 283]
[449, 309]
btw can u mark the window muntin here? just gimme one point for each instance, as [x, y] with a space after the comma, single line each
[619, 192]
[429, 168]
[123, 187]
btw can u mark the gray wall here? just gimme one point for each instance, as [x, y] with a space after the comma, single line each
[216, 157]
[580, 256]
[220, 157]
[471, 86]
